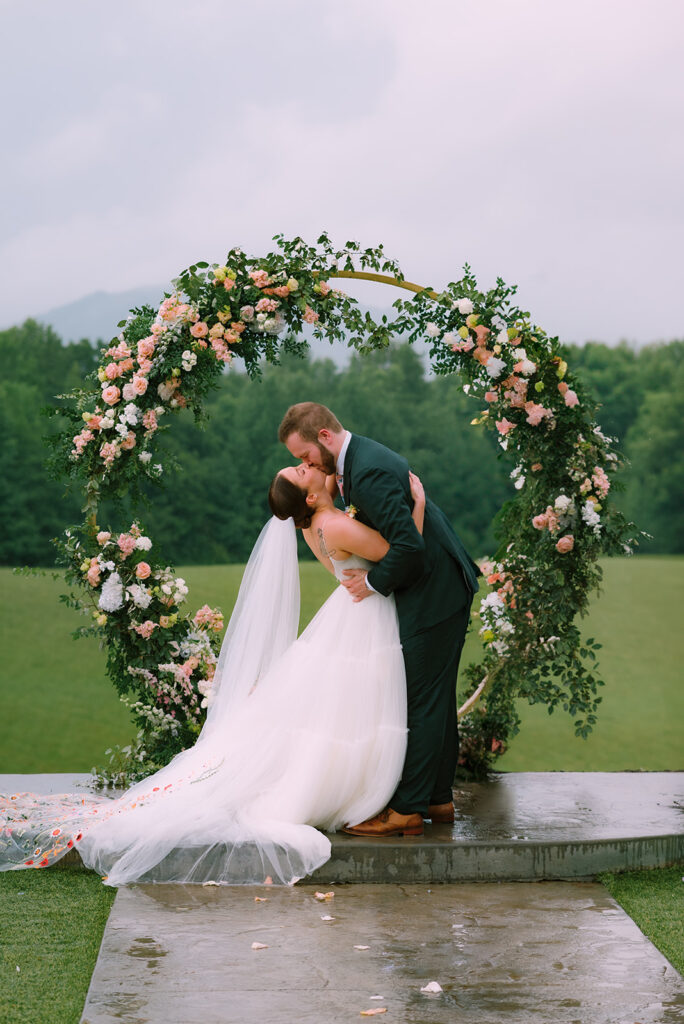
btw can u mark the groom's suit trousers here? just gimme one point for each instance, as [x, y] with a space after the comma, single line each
[431, 658]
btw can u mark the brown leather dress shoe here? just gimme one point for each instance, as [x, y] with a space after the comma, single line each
[441, 813]
[388, 823]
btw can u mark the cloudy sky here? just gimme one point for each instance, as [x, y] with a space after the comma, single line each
[539, 141]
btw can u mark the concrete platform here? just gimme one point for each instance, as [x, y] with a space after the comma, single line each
[515, 827]
[544, 953]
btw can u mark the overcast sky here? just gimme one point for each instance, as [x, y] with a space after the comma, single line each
[540, 141]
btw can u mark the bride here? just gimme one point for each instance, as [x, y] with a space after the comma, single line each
[302, 733]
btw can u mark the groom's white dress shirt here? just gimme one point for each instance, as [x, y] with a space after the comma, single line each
[340, 479]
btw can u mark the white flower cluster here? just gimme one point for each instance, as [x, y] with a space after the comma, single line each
[111, 596]
[432, 330]
[130, 414]
[591, 517]
[139, 595]
[196, 642]
[518, 478]
[145, 456]
[464, 306]
[562, 504]
[495, 366]
[143, 543]
[173, 586]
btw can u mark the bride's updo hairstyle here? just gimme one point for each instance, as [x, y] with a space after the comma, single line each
[288, 501]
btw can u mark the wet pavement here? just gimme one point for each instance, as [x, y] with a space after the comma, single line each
[517, 827]
[538, 953]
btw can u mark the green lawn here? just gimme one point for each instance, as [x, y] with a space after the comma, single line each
[52, 925]
[655, 900]
[60, 712]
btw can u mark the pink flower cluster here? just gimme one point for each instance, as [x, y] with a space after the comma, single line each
[81, 440]
[536, 413]
[546, 520]
[568, 394]
[146, 629]
[126, 544]
[600, 481]
[93, 573]
[209, 617]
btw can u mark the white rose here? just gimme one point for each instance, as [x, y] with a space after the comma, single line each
[449, 338]
[528, 367]
[128, 392]
[432, 330]
[495, 366]
[145, 456]
[562, 503]
[186, 354]
[502, 337]
[143, 543]
[464, 306]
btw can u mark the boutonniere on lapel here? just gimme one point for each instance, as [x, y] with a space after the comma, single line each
[351, 511]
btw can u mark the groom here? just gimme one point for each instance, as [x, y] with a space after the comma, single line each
[433, 580]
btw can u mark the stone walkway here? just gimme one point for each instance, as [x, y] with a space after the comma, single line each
[515, 827]
[526, 953]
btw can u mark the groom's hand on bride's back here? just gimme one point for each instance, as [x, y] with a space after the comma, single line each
[355, 583]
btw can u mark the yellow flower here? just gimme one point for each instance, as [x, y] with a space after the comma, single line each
[220, 273]
[562, 369]
[85, 565]
[488, 635]
[101, 375]
[497, 350]
[293, 284]
[512, 333]
[539, 386]
[232, 274]
[464, 333]
[224, 314]
[472, 320]
[102, 620]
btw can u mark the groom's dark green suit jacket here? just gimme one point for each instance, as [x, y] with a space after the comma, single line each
[431, 576]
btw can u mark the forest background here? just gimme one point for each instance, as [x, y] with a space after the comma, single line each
[213, 502]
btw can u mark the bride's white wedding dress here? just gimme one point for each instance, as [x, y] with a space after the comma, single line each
[303, 734]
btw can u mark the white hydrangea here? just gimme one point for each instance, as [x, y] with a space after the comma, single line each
[140, 596]
[111, 596]
[130, 414]
[528, 367]
[107, 422]
[495, 366]
[143, 543]
[432, 330]
[502, 336]
[562, 503]
[520, 353]
[464, 306]
[449, 338]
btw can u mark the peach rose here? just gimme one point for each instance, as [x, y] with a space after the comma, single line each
[126, 366]
[111, 371]
[142, 570]
[565, 544]
[199, 330]
[146, 348]
[102, 537]
[93, 575]
[310, 317]
[129, 441]
[563, 387]
[139, 385]
[491, 396]
[111, 395]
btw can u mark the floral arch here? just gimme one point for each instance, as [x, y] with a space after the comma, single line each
[551, 533]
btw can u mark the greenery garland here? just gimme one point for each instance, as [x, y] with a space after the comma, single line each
[552, 533]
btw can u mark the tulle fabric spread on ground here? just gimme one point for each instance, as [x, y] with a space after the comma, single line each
[304, 735]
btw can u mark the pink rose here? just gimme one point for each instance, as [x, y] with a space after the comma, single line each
[94, 421]
[146, 348]
[565, 544]
[216, 331]
[504, 426]
[491, 396]
[139, 385]
[260, 278]
[563, 387]
[93, 575]
[144, 365]
[247, 313]
[310, 317]
[463, 345]
[109, 452]
[282, 291]
[112, 371]
[324, 288]
[228, 284]
[571, 398]
[266, 306]
[129, 392]
[102, 537]
[111, 395]
[199, 330]
[540, 522]
[535, 467]
[126, 544]
[142, 570]
[535, 413]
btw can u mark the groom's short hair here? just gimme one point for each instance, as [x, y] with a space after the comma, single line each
[306, 419]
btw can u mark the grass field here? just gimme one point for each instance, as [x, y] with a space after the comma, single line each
[59, 712]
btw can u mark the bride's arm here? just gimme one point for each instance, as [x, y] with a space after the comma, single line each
[418, 495]
[346, 535]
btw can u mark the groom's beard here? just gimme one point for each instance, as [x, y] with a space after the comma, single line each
[327, 460]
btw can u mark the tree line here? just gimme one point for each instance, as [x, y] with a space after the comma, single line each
[213, 502]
